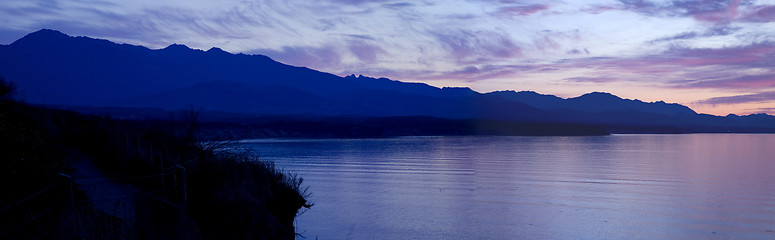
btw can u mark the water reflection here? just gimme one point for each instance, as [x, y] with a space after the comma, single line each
[611, 187]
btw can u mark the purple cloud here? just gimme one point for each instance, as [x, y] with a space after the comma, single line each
[399, 5]
[759, 55]
[365, 52]
[525, 10]
[474, 73]
[358, 2]
[754, 55]
[359, 36]
[768, 110]
[598, 9]
[761, 14]
[747, 98]
[550, 40]
[574, 52]
[735, 82]
[714, 12]
[470, 47]
[710, 32]
[680, 36]
[721, 31]
[591, 79]
[741, 68]
[700, 10]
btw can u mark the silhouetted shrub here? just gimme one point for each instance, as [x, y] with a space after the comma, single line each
[228, 192]
[7, 89]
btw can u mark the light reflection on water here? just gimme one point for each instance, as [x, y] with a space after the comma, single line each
[695, 186]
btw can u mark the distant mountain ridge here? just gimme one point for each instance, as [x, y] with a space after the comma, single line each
[50, 67]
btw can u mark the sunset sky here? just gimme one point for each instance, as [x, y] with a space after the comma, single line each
[716, 57]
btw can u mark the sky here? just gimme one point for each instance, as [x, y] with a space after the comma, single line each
[717, 57]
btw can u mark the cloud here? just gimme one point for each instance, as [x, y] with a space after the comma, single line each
[472, 47]
[753, 55]
[680, 36]
[360, 36]
[343, 57]
[714, 12]
[734, 68]
[548, 41]
[738, 99]
[365, 52]
[473, 73]
[700, 10]
[758, 55]
[735, 82]
[576, 52]
[522, 10]
[399, 5]
[598, 9]
[761, 14]
[312, 57]
[591, 79]
[358, 2]
[155, 24]
[747, 67]
[768, 110]
[714, 31]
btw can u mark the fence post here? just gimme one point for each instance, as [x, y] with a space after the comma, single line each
[185, 192]
[74, 216]
[163, 180]
[72, 199]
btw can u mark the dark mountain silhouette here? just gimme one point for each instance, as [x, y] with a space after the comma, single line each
[593, 102]
[534, 99]
[52, 68]
[604, 102]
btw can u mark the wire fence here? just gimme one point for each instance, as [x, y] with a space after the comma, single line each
[27, 198]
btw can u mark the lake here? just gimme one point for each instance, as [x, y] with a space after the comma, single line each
[693, 186]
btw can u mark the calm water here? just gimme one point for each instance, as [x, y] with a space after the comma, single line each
[697, 186]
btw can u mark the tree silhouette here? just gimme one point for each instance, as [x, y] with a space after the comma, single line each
[7, 89]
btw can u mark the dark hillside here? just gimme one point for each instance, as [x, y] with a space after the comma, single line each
[57, 162]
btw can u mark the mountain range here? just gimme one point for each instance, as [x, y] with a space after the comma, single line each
[52, 68]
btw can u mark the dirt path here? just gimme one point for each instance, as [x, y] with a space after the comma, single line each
[106, 195]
